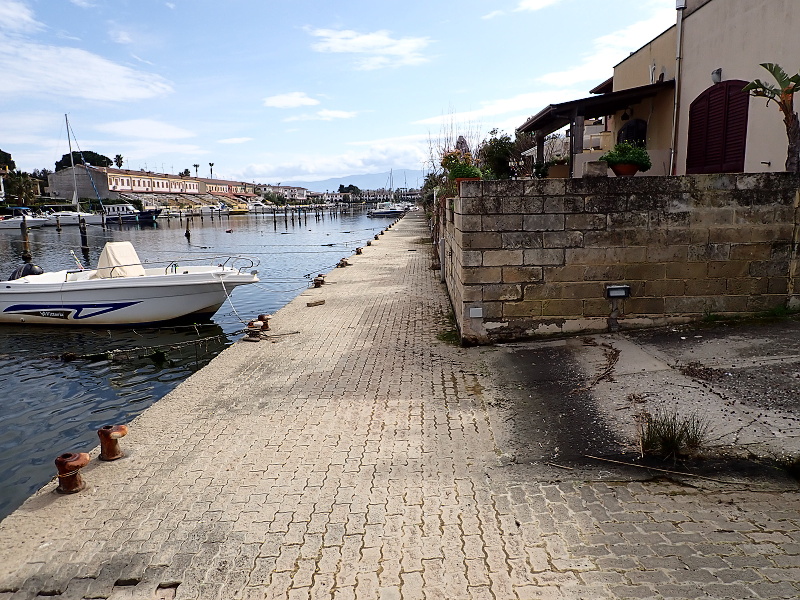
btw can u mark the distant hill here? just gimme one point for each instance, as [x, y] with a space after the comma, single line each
[371, 181]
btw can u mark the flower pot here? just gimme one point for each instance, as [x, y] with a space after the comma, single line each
[460, 179]
[560, 171]
[624, 169]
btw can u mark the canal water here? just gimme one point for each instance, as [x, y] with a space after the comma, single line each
[59, 385]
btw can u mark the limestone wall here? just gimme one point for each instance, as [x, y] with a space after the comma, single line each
[525, 258]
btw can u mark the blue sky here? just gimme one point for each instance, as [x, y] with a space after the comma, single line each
[275, 91]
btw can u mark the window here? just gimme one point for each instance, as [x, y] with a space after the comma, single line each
[718, 129]
[635, 132]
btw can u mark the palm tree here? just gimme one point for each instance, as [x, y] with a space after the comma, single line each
[196, 166]
[783, 96]
[211, 165]
[119, 160]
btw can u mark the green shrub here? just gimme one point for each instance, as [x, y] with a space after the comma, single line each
[626, 153]
[464, 170]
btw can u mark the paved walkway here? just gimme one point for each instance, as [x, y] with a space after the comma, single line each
[355, 456]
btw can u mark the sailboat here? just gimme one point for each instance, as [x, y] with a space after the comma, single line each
[388, 209]
[75, 215]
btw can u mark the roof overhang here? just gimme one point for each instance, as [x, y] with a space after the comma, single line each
[557, 116]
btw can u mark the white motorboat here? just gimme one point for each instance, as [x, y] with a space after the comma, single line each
[121, 291]
[387, 209]
[72, 217]
[13, 220]
[16, 222]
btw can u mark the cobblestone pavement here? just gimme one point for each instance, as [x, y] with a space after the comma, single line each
[356, 456]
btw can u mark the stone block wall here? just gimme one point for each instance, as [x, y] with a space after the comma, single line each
[531, 257]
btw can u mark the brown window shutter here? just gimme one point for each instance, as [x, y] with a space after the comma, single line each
[718, 129]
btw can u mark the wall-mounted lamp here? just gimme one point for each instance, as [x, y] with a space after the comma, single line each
[716, 76]
[625, 116]
[618, 291]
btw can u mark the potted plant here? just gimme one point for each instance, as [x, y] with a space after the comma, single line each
[626, 159]
[558, 167]
[460, 165]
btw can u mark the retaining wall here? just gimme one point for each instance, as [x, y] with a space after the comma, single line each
[531, 257]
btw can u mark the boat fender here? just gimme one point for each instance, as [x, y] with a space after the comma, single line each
[25, 270]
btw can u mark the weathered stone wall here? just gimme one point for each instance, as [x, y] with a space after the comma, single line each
[525, 258]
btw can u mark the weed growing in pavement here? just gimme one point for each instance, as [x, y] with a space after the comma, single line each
[669, 435]
[450, 334]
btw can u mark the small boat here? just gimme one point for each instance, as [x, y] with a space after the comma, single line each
[121, 291]
[14, 219]
[72, 217]
[387, 209]
[127, 213]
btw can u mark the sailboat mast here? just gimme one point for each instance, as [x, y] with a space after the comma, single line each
[72, 161]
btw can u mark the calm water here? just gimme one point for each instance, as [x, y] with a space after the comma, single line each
[51, 405]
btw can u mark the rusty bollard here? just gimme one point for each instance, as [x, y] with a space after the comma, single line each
[369, 242]
[359, 250]
[69, 477]
[265, 320]
[377, 236]
[109, 441]
[254, 331]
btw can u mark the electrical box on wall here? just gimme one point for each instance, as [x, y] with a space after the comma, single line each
[476, 312]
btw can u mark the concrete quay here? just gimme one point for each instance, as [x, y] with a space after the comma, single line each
[354, 455]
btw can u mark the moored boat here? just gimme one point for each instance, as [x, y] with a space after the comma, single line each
[121, 291]
[387, 209]
[16, 215]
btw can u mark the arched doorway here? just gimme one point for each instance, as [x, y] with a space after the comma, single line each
[718, 129]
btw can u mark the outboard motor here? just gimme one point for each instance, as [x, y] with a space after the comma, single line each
[27, 269]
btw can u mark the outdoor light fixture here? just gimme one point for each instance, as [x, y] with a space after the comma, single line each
[614, 292]
[716, 76]
[475, 312]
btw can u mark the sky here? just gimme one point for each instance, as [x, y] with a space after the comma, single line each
[296, 90]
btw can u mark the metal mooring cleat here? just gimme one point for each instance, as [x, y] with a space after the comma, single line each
[69, 477]
[109, 441]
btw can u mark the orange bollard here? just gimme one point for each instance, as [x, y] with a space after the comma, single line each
[69, 477]
[109, 444]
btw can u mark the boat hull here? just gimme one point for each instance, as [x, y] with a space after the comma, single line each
[117, 301]
[16, 222]
[73, 218]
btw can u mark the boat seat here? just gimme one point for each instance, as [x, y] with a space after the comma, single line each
[118, 259]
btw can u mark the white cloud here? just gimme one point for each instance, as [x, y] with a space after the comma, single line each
[608, 50]
[83, 3]
[536, 4]
[493, 14]
[239, 140]
[290, 100]
[144, 128]
[34, 69]
[120, 36]
[324, 115]
[17, 17]
[379, 48]
[170, 5]
[380, 157]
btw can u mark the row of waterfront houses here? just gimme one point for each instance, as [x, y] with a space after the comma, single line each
[107, 183]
